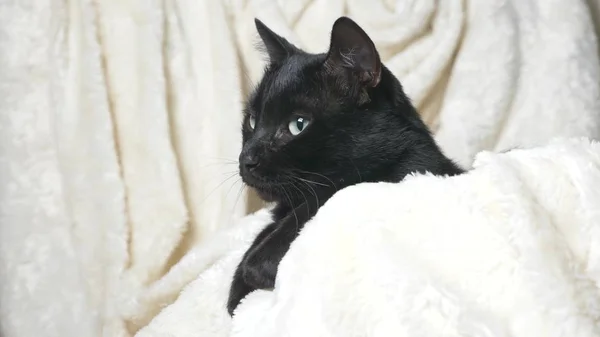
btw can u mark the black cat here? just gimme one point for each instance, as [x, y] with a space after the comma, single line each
[315, 124]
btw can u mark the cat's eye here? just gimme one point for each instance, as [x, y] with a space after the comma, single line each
[298, 124]
[252, 122]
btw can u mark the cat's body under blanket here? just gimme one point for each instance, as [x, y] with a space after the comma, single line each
[507, 249]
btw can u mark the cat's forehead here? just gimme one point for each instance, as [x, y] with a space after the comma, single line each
[289, 82]
[289, 74]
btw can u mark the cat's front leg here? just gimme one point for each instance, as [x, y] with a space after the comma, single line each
[239, 287]
[237, 291]
[262, 261]
[260, 267]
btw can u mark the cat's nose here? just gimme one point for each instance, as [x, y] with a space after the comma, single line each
[249, 161]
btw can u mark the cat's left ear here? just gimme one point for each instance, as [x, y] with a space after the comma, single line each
[352, 51]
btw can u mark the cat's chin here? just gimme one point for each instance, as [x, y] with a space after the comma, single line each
[266, 191]
[266, 195]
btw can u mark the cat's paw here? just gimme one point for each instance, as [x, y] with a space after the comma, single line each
[259, 271]
[238, 290]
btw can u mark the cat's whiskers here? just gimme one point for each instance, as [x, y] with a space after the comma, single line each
[293, 208]
[311, 182]
[230, 187]
[303, 195]
[242, 187]
[227, 160]
[219, 185]
[357, 171]
[293, 170]
[319, 175]
[214, 164]
[218, 167]
[315, 193]
[306, 182]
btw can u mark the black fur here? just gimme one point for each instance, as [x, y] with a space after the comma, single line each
[362, 128]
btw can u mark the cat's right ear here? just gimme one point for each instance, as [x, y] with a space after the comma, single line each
[277, 47]
[351, 51]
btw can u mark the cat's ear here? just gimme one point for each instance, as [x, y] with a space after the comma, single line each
[352, 50]
[277, 47]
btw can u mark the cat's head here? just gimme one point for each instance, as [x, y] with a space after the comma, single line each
[319, 122]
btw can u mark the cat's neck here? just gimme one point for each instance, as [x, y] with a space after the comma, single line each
[421, 153]
[427, 158]
[431, 161]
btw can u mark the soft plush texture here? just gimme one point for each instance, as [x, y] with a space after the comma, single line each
[119, 119]
[508, 249]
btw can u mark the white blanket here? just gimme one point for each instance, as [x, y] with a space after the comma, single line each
[511, 248]
[119, 122]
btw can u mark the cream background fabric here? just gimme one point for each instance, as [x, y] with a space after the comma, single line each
[119, 128]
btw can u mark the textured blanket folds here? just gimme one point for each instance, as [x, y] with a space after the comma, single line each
[119, 131]
[508, 249]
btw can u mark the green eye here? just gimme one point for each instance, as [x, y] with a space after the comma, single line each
[297, 125]
[252, 122]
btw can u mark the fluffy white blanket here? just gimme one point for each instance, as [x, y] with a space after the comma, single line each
[509, 249]
[116, 118]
